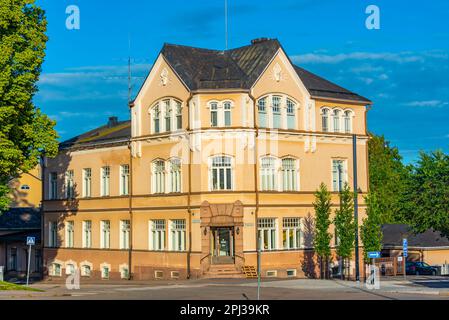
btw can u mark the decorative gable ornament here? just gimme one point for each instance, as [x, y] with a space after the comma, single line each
[164, 77]
[277, 72]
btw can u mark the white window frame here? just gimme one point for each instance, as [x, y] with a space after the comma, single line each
[53, 234]
[221, 167]
[87, 182]
[295, 173]
[262, 112]
[105, 234]
[174, 176]
[325, 118]
[344, 174]
[105, 181]
[53, 269]
[69, 184]
[70, 234]
[157, 234]
[290, 115]
[348, 121]
[177, 235]
[265, 227]
[159, 177]
[124, 179]
[125, 231]
[293, 224]
[87, 234]
[265, 173]
[167, 114]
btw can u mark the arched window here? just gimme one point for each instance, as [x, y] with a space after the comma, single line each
[166, 115]
[156, 118]
[325, 120]
[336, 116]
[268, 173]
[289, 175]
[290, 114]
[227, 114]
[158, 176]
[347, 121]
[85, 270]
[175, 175]
[221, 173]
[276, 108]
[262, 111]
[214, 114]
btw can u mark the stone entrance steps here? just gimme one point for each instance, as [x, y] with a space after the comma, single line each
[223, 271]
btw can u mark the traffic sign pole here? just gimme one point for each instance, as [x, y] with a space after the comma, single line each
[28, 268]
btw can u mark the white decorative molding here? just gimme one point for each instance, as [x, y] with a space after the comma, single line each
[277, 72]
[164, 77]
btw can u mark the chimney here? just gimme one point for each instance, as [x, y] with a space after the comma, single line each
[112, 122]
[259, 40]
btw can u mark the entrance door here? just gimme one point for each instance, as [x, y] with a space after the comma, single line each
[223, 245]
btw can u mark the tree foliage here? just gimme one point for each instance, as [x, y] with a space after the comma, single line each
[371, 229]
[387, 176]
[322, 237]
[427, 197]
[345, 224]
[25, 133]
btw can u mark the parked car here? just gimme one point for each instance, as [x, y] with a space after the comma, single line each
[420, 268]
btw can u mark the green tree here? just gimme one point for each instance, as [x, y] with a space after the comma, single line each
[25, 133]
[322, 236]
[371, 229]
[427, 198]
[345, 225]
[387, 177]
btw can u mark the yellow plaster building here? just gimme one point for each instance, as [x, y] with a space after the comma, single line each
[223, 148]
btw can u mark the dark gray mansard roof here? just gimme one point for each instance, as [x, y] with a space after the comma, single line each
[240, 68]
[214, 69]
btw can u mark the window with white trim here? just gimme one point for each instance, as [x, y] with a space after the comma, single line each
[168, 114]
[348, 121]
[289, 175]
[105, 272]
[267, 233]
[70, 269]
[87, 234]
[221, 173]
[276, 109]
[105, 180]
[291, 233]
[87, 182]
[175, 175]
[214, 114]
[157, 234]
[53, 234]
[124, 272]
[156, 114]
[178, 108]
[339, 174]
[124, 179]
[268, 173]
[56, 269]
[53, 186]
[69, 184]
[125, 228]
[158, 176]
[227, 114]
[325, 120]
[85, 270]
[69, 234]
[262, 112]
[178, 235]
[291, 118]
[336, 117]
[105, 232]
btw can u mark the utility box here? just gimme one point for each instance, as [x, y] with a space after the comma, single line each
[1, 273]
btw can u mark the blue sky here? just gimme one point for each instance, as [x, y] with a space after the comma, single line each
[403, 67]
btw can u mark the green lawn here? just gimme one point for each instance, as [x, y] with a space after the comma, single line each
[11, 286]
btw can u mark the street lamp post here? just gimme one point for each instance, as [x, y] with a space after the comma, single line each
[356, 207]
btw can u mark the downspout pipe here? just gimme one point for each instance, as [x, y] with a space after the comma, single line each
[189, 210]
[42, 177]
[256, 183]
[130, 210]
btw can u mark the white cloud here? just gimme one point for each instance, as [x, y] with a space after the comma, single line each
[400, 57]
[426, 103]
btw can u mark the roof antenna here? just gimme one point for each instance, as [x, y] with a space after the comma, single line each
[129, 69]
[226, 23]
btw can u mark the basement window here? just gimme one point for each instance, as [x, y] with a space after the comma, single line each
[272, 273]
[158, 274]
[291, 272]
[174, 274]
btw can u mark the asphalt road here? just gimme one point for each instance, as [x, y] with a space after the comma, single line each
[423, 288]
